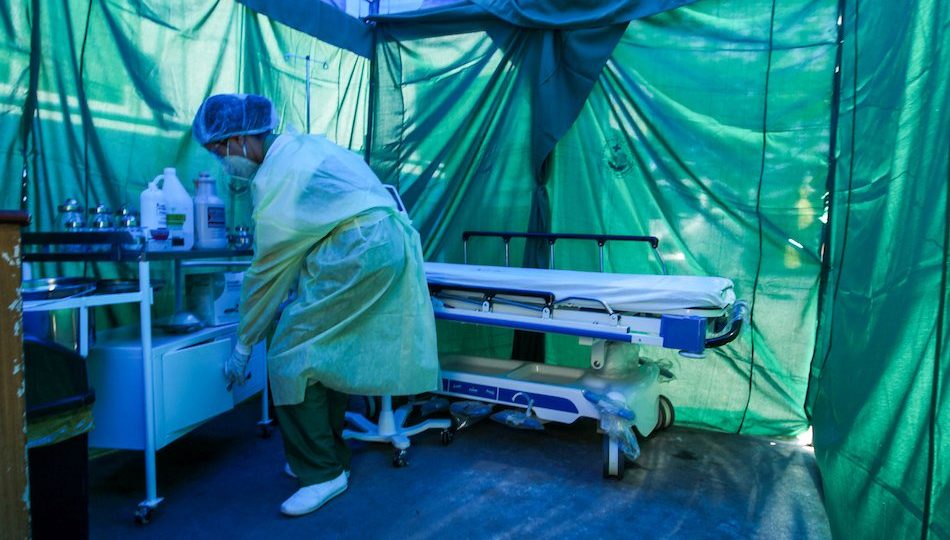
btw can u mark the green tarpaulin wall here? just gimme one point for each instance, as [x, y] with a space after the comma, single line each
[689, 155]
[881, 404]
[722, 127]
[97, 97]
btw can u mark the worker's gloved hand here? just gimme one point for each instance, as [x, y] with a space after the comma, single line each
[235, 367]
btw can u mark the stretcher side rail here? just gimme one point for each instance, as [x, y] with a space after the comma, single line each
[489, 294]
[552, 238]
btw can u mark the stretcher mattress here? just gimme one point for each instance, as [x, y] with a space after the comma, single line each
[622, 292]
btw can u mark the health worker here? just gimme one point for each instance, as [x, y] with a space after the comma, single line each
[361, 321]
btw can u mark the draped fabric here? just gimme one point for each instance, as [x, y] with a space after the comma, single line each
[880, 400]
[797, 147]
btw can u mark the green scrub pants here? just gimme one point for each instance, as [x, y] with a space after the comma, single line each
[313, 435]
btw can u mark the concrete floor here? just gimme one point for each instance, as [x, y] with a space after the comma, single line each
[224, 481]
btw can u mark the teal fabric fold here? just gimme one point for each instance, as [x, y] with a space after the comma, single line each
[321, 20]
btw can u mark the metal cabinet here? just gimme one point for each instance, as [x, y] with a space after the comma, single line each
[187, 380]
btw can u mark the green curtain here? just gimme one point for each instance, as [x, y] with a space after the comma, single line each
[98, 97]
[467, 90]
[115, 86]
[322, 19]
[716, 127]
[723, 127]
[709, 129]
[452, 131]
[881, 406]
[16, 96]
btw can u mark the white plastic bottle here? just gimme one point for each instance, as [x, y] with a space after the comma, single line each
[179, 212]
[152, 205]
[210, 225]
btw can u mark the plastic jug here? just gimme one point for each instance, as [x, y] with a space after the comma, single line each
[179, 212]
[152, 205]
[210, 225]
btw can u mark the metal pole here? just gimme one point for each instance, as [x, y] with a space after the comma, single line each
[196, 264]
[371, 99]
[662, 262]
[83, 331]
[265, 409]
[307, 91]
[145, 313]
[179, 293]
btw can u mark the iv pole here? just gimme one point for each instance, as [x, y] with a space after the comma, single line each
[306, 58]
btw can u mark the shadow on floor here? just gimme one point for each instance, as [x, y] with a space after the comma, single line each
[225, 481]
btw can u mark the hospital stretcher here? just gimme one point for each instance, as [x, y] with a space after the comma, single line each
[614, 314]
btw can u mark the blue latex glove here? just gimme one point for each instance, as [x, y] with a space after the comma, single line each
[235, 367]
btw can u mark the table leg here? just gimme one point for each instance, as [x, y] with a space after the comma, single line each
[143, 514]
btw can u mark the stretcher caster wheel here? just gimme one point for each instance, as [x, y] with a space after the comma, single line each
[448, 436]
[400, 458]
[614, 460]
[143, 515]
[667, 414]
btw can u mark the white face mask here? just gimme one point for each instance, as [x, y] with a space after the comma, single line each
[240, 168]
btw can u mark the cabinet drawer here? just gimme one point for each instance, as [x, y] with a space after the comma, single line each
[257, 369]
[194, 385]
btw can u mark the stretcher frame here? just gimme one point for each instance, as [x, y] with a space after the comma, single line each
[556, 393]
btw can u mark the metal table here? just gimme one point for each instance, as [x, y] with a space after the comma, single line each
[68, 247]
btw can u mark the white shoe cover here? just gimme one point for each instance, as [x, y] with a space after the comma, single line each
[307, 499]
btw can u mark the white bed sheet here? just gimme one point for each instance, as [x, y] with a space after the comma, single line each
[622, 292]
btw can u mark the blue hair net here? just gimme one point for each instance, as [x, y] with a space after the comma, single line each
[226, 115]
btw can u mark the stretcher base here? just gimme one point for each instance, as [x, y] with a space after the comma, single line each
[555, 392]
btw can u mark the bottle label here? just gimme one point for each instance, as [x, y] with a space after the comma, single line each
[216, 217]
[175, 221]
[160, 215]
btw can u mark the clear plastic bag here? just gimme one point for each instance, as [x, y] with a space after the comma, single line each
[665, 369]
[519, 419]
[466, 413]
[432, 406]
[616, 420]
[471, 409]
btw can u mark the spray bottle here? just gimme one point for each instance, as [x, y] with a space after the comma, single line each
[210, 226]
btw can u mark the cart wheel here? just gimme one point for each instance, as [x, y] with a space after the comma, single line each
[399, 458]
[667, 414]
[613, 460]
[448, 436]
[266, 430]
[143, 515]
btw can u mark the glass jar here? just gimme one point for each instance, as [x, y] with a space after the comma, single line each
[127, 220]
[73, 224]
[101, 222]
[71, 215]
[242, 238]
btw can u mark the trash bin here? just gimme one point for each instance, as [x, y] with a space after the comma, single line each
[59, 417]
